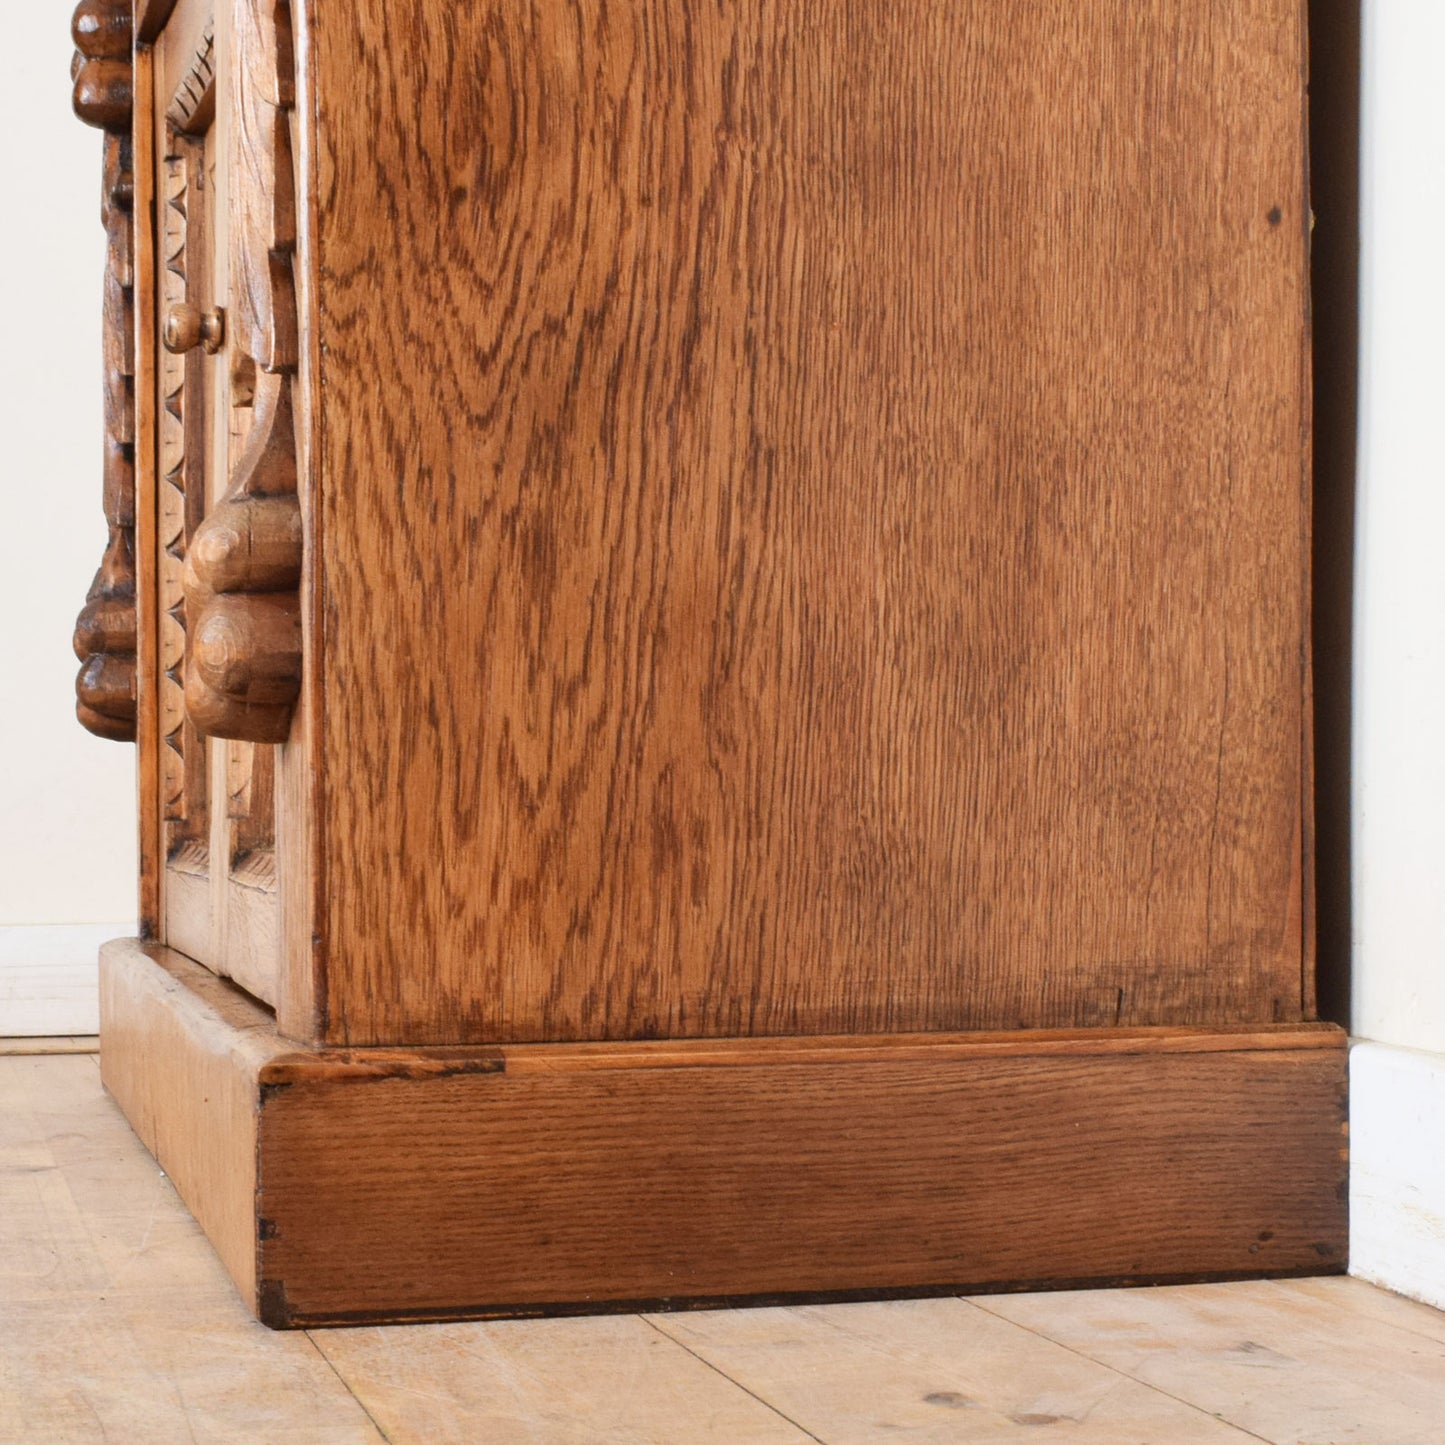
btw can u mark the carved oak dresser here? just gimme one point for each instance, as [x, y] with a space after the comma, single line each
[713, 598]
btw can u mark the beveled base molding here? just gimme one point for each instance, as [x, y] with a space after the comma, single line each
[390, 1184]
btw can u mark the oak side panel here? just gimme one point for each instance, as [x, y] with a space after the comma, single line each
[810, 516]
[559, 1188]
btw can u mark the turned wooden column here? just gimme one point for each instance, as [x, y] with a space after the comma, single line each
[105, 631]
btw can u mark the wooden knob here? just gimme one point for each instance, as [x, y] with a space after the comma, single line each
[188, 326]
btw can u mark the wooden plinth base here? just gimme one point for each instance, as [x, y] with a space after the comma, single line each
[382, 1184]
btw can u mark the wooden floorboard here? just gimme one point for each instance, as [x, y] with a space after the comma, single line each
[1352, 1297]
[118, 1323]
[612, 1380]
[1283, 1364]
[931, 1370]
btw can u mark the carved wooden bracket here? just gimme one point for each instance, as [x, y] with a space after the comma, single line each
[243, 564]
[242, 569]
[105, 632]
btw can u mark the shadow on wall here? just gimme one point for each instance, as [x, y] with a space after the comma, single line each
[1334, 117]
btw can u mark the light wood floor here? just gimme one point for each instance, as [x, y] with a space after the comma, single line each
[117, 1324]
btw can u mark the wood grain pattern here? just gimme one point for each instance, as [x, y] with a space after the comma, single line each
[522, 1190]
[833, 481]
[799, 787]
[533, 1177]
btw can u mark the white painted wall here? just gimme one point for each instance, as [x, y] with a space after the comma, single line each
[67, 810]
[1398, 1096]
[1399, 810]
[1397, 1169]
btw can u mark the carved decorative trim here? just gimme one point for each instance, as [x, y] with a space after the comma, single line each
[263, 191]
[171, 500]
[242, 568]
[194, 102]
[244, 563]
[105, 632]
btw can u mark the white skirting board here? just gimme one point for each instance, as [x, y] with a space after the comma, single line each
[1397, 1170]
[48, 977]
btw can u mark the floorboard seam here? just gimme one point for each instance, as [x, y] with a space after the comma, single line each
[1124, 1374]
[49, 1046]
[766, 1404]
[346, 1385]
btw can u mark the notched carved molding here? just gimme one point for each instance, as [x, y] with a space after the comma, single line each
[194, 103]
[179, 500]
[105, 632]
[243, 564]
